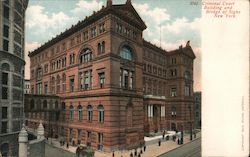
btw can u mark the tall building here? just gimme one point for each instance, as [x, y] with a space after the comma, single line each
[12, 19]
[197, 110]
[113, 86]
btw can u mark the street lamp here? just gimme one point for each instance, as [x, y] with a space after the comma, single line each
[191, 134]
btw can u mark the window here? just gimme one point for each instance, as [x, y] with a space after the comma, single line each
[71, 59]
[93, 32]
[79, 132]
[58, 84]
[101, 79]
[173, 92]
[149, 68]
[63, 82]
[85, 35]
[85, 55]
[197, 114]
[131, 81]
[86, 80]
[173, 111]
[71, 112]
[89, 134]
[187, 90]
[101, 47]
[6, 31]
[4, 147]
[6, 12]
[17, 37]
[78, 38]
[18, 19]
[45, 68]
[100, 141]
[4, 127]
[102, 28]
[45, 104]
[5, 45]
[125, 78]
[173, 60]
[4, 112]
[70, 134]
[46, 88]
[52, 85]
[79, 112]
[100, 113]
[39, 88]
[90, 112]
[17, 50]
[4, 78]
[18, 7]
[173, 72]
[126, 53]
[71, 83]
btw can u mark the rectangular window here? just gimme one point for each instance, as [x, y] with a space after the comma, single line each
[102, 79]
[89, 134]
[86, 80]
[100, 137]
[17, 37]
[173, 92]
[5, 78]
[4, 127]
[5, 45]
[18, 19]
[131, 81]
[6, 12]
[6, 31]
[4, 93]
[39, 88]
[18, 7]
[4, 112]
[93, 32]
[71, 83]
[125, 79]
[17, 50]
[85, 35]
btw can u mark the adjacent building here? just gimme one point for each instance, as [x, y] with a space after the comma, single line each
[27, 87]
[12, 19]
[101, 84]
[197, 110]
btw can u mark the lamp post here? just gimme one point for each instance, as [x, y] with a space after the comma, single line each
[191, 133]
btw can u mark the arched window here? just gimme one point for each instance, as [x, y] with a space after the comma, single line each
[38, 104]
[71, 114]
[100, 113]
[85, 55]
[126, 53]
[58, 84]
[90, 112]
[101, 47]
[44, 104]
[79, 112]
[5, 67]
[4, 149]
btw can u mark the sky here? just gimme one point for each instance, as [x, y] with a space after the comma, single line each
[173, 21]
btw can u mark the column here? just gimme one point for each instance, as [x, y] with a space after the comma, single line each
[23, 142]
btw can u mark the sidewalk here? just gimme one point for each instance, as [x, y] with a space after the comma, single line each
[152, 148]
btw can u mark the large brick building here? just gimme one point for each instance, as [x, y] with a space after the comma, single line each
[113, 86]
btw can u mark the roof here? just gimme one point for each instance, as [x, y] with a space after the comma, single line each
[124, 11]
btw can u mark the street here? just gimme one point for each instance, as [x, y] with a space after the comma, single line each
[192, 149]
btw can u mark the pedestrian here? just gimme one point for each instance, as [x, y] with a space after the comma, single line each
[67, 145]
[195, 135]
[163, 134]
[144, 148]
[141, 151]
[135, 152]
[113, 155]
[139, 155]
[159, 142]
[167, 137]
[178, 141]
[131, 154]
[63, 143]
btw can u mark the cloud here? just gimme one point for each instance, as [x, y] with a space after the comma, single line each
[29, 47]
[183, 24]
[156, 15]
[86, 6]
[41, 21]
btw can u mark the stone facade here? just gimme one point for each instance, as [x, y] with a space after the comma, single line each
[12, 19]
[113, 86]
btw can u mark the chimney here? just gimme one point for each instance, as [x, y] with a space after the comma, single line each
[109, 3]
